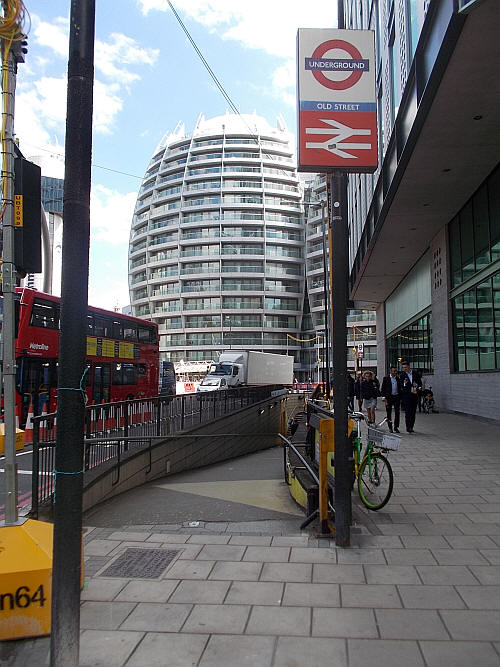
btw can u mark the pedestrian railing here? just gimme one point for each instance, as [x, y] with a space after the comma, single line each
[115, 430]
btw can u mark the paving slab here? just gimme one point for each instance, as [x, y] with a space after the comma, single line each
[384, 653]
[313, 652]
[420, 584]
[219, 619]
[228, 650]
[102, 648]
[459, 654]
[290, 621]
[181, 649]
[156, 617]
[256, 592]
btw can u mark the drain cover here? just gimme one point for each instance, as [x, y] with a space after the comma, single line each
[140, 563]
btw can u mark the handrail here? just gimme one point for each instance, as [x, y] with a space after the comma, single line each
[301, 458]
[124, 422]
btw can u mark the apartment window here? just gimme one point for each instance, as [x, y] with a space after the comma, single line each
[200, 286]
[202, 321]
[239, 320]
[173, 323]
[272, 303]
[202, 304]
[242, 285]
[245, 303]
[280, 321]
[211, 338]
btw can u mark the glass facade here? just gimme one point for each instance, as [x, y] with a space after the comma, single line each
[413, 344]
[52, 194]
[474, 241]
[229, 236]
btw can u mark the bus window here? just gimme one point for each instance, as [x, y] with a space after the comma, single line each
[102, 327]
[124, 373]
[129, 332]
[129, 374]
[101, 383]
[37, 382]
[117, 329]
[146, 335]
[45, 314]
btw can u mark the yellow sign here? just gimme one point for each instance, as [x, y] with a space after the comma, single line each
[108, 348]
[18, 210]
[91, 346]
[126, 350]
[25, 580]
[19, 439]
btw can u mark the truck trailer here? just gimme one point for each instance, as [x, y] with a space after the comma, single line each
[236, 368]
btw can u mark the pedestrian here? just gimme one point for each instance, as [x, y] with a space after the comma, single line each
[350, 392]
[391, 391]
[357, 391]
[317, 393]
[411, 383]
[369, 393]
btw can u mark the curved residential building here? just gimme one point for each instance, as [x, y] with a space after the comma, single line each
[216, 253]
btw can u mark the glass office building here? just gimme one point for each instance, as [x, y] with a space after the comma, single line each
[425, 228]
[216, 254]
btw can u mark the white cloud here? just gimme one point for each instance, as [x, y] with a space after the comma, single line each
[111, 215]
[120, 50]
[262, 25]
[114, 297]
[43, 98]
[53, 35]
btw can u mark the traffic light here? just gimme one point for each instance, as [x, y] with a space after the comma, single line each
[27, 217]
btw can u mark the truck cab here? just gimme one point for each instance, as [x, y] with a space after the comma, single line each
[212, 383]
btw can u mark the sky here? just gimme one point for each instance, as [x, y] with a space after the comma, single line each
[148, 78]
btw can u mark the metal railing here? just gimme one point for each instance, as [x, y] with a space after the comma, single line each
[117, 430]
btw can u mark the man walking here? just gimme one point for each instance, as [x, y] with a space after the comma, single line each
[411, 384]
[391, 391]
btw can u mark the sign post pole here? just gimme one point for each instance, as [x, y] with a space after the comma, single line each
[338, 135]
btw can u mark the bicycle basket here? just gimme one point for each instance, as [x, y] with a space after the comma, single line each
[384, 440]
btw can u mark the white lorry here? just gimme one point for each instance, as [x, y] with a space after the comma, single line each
[246, 367]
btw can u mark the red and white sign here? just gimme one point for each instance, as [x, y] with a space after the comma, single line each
[337, 103]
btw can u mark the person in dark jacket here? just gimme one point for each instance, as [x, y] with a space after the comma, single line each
[350, 392]
[369, 392]
[411, 384]
[391, 391]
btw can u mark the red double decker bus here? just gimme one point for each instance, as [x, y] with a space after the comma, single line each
[122, 354]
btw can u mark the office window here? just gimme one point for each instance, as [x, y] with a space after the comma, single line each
[476, 327]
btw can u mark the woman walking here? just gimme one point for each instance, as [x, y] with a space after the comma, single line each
[368, 393]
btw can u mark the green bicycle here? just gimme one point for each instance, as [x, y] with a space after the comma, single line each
[371, 468]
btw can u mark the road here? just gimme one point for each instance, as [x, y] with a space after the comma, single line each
[24, 463]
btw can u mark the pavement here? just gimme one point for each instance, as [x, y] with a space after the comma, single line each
[232, 581]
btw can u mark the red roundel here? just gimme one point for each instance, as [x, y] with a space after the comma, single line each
[352, 79]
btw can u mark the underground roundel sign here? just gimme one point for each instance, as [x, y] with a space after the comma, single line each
[337, 111]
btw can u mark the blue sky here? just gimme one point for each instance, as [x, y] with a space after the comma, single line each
[147, 79]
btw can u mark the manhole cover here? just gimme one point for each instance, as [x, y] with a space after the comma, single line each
[140, 563]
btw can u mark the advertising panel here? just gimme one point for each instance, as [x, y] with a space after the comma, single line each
[337, 109]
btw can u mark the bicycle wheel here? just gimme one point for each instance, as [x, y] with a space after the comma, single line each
[375, 481]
